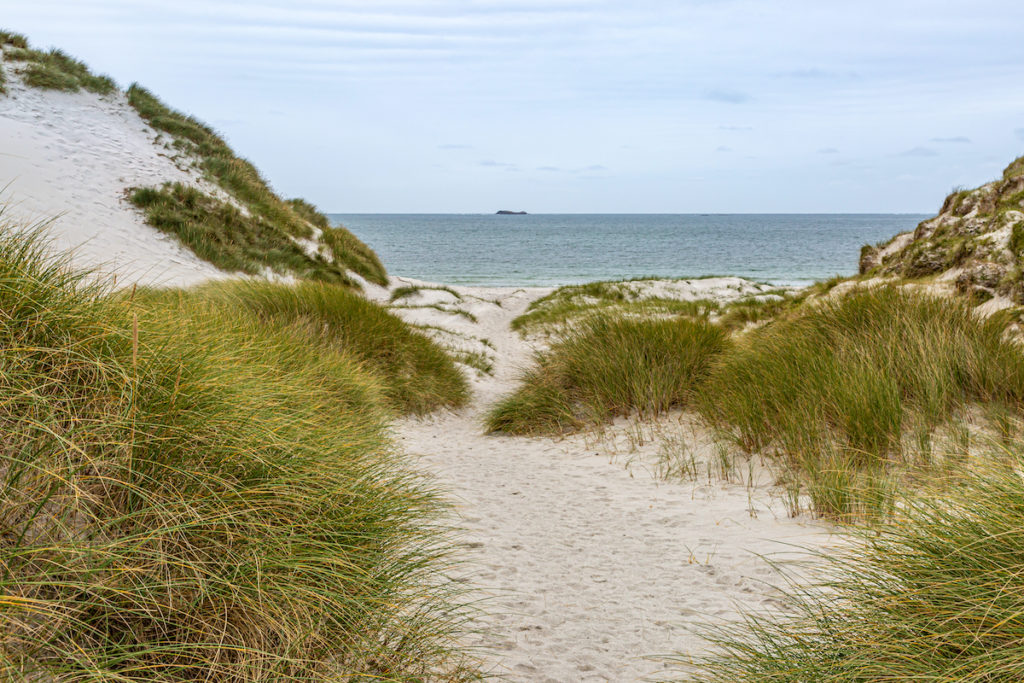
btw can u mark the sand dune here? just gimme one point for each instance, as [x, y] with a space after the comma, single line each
[586, 563]
[67, 160]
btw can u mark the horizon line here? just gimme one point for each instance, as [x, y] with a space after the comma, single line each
[632, 213]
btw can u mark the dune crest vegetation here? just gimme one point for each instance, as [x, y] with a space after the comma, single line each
[267, 220]
[194, 491]
[575, 303]
[977, 239]
[51, 69]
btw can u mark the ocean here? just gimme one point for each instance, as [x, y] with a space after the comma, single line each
[558, 249]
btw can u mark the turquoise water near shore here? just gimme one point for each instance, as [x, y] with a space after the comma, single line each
[558, 249]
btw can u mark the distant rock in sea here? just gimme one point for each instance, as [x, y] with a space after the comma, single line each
[503, 212]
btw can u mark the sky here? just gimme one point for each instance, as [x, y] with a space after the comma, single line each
[579, 106]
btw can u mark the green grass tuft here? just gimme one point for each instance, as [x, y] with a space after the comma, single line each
[443, 308]
[56, 70]
[830, 392]
[15, 40]
[179, 125]
[195, 492]
[934, 595]
[411, 290]
[349, 251]
[573, 304]
[221, 234]
[18, 54]
[1015, 169]
[309, 213]
[752, 310]
[478, 360]
[47, 76]
[607, 367]
[418, 375]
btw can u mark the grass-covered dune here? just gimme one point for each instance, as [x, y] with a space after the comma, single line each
[610, 366]
[227, 214]
[977, 239]
[267, 234]
[418, 376]
[831, 392]
[193, 490]
[575, 303]
[52, 69]
[846, 395]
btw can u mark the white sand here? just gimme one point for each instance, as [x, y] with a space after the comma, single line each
[588, 563]
[720, 289]
[69, 158]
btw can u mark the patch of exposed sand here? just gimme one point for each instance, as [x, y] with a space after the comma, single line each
[589, 565]
[67, 159]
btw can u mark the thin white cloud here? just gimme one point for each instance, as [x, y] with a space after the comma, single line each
[490, 163]
[919, 152]
[726, 95]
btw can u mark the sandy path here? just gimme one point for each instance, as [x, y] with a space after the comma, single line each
[589, 565]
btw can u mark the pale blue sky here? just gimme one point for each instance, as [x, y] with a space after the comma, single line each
[579, 105]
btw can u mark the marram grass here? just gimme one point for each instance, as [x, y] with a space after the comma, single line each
[935, 595]
[52, 69]
[220, 233]
[831, 392]
[193, 493]
[575, 304]
[269, 220]
[418, 376]
[606, 367]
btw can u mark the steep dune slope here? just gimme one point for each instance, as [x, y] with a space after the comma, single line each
[69, 157]
[142, 191]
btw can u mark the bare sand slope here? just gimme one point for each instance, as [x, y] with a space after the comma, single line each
[588, 563]
[68, 158]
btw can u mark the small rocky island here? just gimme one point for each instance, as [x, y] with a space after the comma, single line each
[503, 212]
